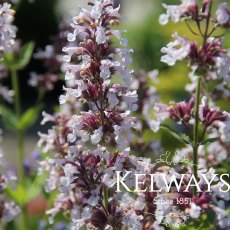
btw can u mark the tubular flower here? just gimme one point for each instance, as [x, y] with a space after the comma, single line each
[187, 8]
[223, 15]
[177, 50]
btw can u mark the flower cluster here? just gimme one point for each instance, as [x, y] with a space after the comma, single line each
[44, 82]
[189, 9]
[85, 177]
[8, 209]
[208, 156]
[183, 113]
[86, 150]
[52, 60]
[144, 84]
[223, 15]
[147, 95]
[98, 61]
[202, 126]
[211, 58]
[56, 139]
[8, 31]
[5, 93]
[84, 180]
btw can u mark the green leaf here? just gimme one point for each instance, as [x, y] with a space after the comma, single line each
[8, 117]
[23, 195]
[21, 60]
[18, 194]
[228, 211]
[8, 60]
[36, 188]
[209, 140]
[180, 137]
[24, 55]
[29, 118]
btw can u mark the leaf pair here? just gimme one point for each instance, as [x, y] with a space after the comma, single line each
[21, 60]
[28, 118]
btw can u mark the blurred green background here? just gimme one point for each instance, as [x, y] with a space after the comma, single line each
[38, 21]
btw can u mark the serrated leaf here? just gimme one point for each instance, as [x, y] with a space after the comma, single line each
[8, 117]
[180, 137]
[24, 56]
[29, 118]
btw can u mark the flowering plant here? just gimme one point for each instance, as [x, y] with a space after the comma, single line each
[90, 169]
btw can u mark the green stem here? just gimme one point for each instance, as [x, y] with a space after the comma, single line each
[207, 22]
[22, 220]
[101, 104]
[20, 133]
[15, 86]
[197, 102]
[106, 199]
[196, 128]
[20, 139]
